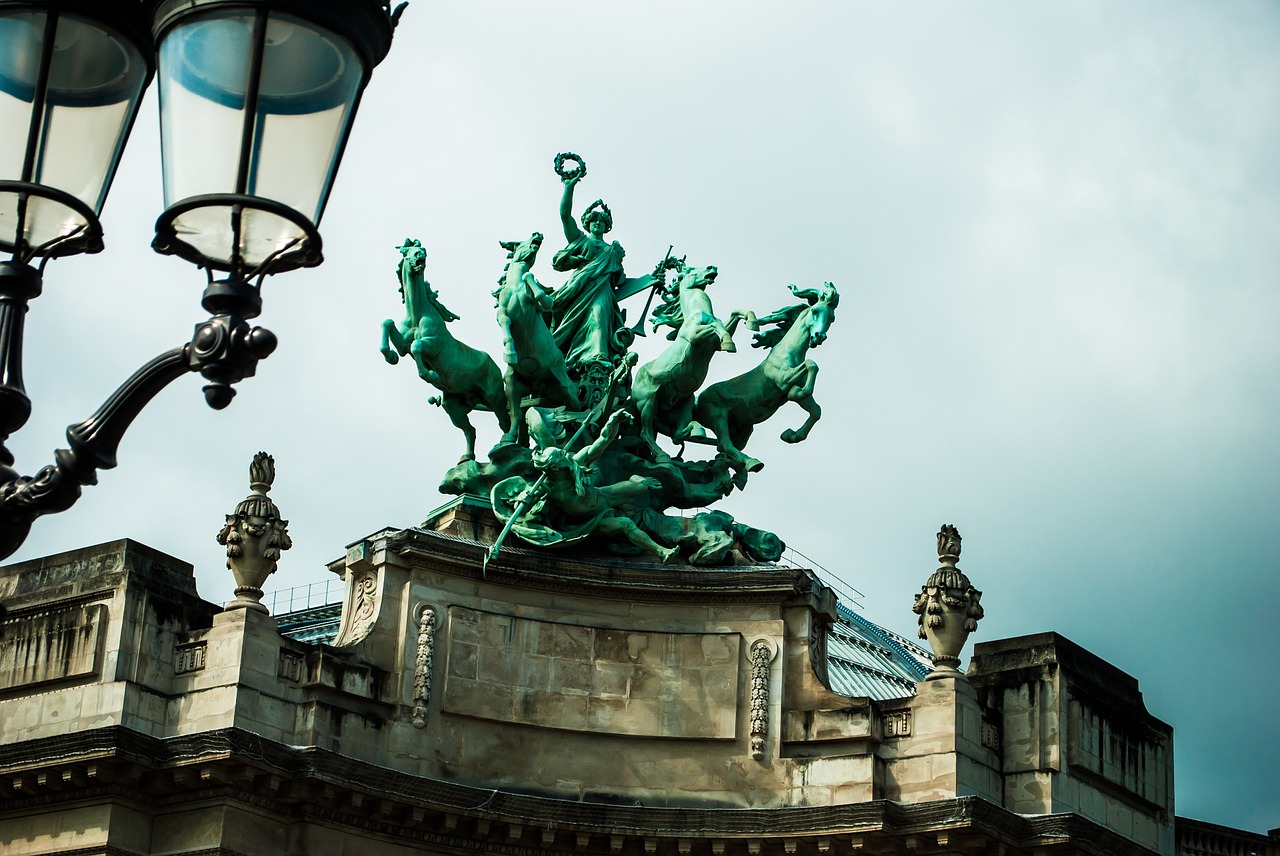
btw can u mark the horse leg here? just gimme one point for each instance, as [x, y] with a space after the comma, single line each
[737, 316]
[511, 385]
[456, 408]
[649, 427]
[681, 417]
[495, 396]
[739, 437]
[425, 371]
[566, 389]
[796, 390]
[391, 335]
[714, 416]
[795, 435]
[725, 335]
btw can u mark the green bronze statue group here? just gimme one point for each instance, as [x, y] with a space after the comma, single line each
[579, 461]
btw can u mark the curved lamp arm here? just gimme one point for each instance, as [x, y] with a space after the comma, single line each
[224, 349]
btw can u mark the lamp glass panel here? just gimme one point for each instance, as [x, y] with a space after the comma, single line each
[204, 81]
[95, 81]
[310, 81]
[208, 229]
[44, 221]
[21, 45]
[307, 88]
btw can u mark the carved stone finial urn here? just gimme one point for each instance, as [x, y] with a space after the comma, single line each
[255, 536]
[948, 608]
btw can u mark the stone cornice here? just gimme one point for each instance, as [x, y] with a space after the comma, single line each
[65, 603]
[615, 579]
[239, 766]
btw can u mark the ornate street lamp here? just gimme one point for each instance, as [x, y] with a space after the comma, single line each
[257, 98]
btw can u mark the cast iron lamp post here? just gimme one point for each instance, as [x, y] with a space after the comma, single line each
[257, 98]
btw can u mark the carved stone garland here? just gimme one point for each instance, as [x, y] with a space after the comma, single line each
[760, 656]
[422, 665]
[949, 608]
[255, 535]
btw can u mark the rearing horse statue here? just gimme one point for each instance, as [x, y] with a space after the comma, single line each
[468, 378]
[534, 363]
[732, 408]
[664, 387]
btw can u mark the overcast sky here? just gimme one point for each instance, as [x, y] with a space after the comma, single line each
[1056, 233]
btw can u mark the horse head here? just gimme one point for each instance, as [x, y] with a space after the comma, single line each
[522, 252]
[822, 310]
[696, 277]
[689, 281]
[413, 257]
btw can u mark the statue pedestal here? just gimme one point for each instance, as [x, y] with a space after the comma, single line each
[571, 676]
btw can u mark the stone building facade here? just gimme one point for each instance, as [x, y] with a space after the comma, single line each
[545, 706]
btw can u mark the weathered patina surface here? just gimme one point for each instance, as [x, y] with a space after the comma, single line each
[535, 365]
[665, 387]
[468, 378]
[580, 464]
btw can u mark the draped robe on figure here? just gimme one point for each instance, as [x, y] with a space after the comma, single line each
[584, 313]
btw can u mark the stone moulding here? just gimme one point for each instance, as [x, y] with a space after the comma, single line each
[290, 666]
[305, 784]
[427, 622]
[620, 579]
[190, 658]
[896, 723]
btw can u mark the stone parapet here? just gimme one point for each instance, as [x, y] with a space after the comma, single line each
[87, 638]
[589, 679]
[1197, 838]
[547, 703]
[1075, 736]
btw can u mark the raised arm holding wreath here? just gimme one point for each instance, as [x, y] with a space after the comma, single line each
[586, 320]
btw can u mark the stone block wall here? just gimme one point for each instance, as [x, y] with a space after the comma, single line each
[87, 638]
[1075, 736]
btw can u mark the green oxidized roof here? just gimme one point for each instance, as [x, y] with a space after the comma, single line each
[864, 659]
[316, 625]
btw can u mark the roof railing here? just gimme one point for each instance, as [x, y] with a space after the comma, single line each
[325, 592]
[308, 596]
[848, 595]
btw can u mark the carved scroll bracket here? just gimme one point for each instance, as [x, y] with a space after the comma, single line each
[360, 610]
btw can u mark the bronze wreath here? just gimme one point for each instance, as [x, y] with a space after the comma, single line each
[581, 170]
[604, 212]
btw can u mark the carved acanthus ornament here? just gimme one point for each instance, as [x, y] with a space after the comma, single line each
[948, 607]
[422, 665]
[360, 611]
